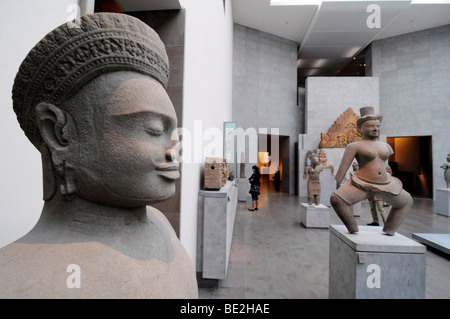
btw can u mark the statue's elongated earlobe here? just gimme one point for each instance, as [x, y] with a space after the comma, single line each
[58, 133]
[48, 173]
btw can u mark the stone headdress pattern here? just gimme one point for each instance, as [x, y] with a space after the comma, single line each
[71, 55]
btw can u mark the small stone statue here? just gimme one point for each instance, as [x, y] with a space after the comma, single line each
[371, 181]
[323, 161]
[313, 170]
[446, 167]
[92, 99]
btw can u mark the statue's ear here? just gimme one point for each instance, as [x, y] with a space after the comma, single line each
[58, 133]
[53, 126]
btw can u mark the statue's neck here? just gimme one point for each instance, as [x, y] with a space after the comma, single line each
[136, 232]
[79, 217]
[369, 138]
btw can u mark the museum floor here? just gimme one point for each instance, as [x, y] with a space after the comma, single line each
[273, 256]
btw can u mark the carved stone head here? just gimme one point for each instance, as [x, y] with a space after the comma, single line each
[367, 114]
[92, 99]
[322, 158]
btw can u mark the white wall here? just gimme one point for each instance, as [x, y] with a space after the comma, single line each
[23, 24]
[207, 96]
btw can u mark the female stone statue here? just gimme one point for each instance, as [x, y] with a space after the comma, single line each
[371, 181]
[92, 100]
[446, 167]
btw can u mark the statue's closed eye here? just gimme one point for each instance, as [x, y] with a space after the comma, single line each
[154, 127]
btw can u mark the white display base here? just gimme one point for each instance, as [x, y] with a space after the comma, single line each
[442, 204]
[440, 242]
[356, 209]
[249, 201]
[243, 188]
[371, 264]
[215, 225]
[314, 216]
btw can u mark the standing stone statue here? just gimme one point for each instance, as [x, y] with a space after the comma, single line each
[371, 180]
[323, 161]
[92, 100]
[446, 167]
[313, 170]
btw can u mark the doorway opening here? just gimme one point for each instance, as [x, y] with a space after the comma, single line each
[412, 163]
[274, 162]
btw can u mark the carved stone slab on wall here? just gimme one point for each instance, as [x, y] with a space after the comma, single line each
[342, 132]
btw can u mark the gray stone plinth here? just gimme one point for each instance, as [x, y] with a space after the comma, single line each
[327, 186]
[371, 264]
[314, 216]
[437, 241]
[243, 188]
[356, 208]
[249, 201]
[216, 216]
[442, 205]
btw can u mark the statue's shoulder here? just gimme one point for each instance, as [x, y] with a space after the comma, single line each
[354, 145]
[154, 213]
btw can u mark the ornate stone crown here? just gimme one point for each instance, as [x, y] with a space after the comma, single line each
[73, 54]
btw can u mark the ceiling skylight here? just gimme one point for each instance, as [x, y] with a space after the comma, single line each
[430, 2]
[295, 2]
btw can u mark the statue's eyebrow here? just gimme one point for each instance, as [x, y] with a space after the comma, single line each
[147, 114]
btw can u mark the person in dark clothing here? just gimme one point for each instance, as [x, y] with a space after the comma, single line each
[254, 187]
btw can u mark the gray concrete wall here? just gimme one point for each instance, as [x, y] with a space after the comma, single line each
[414, 73]
[265, 86]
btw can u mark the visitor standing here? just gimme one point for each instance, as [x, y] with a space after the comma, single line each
[255, 187]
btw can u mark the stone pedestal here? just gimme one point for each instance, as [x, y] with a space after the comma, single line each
[314, 216]
[249, 201]
[357, 208]
[442, 204]
[215, 224]
[243, 188]
[327, 186]
[439, 242]
[371, 264]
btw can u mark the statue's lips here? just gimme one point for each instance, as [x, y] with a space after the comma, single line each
[169, 171]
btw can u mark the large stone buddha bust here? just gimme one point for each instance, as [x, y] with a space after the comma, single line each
[92, 100]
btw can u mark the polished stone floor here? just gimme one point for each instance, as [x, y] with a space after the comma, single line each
[273, 256]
